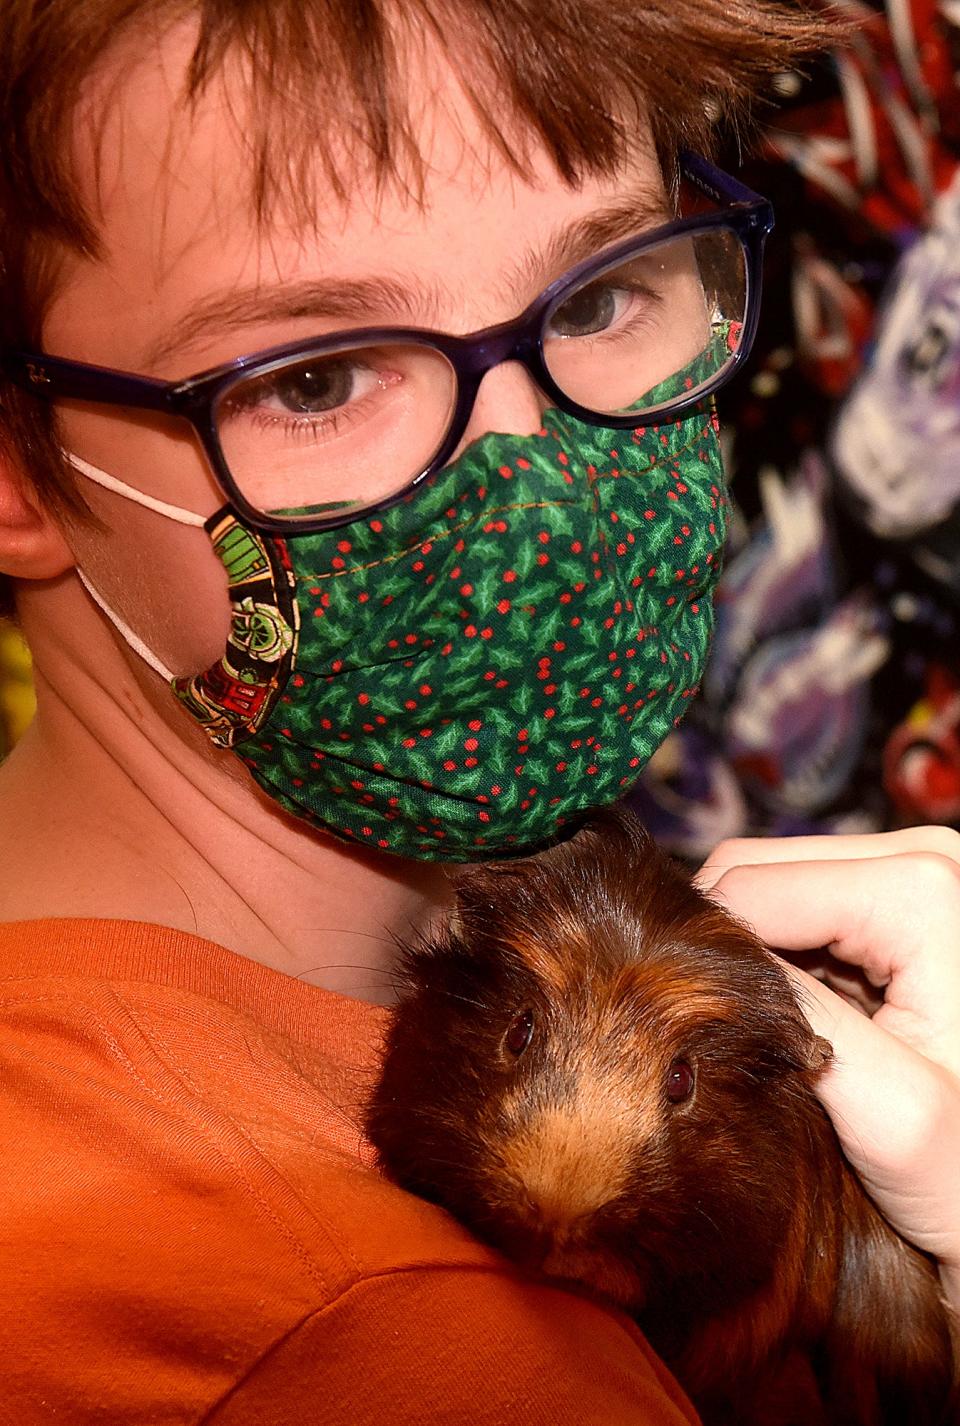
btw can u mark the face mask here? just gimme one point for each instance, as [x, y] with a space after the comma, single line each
[461, 675]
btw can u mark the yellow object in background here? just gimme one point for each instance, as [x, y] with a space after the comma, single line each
[17, 701]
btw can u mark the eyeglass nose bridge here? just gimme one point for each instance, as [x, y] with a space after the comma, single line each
[518, 340]
[481, 353]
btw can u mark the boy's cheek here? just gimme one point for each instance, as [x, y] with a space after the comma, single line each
[162, 579]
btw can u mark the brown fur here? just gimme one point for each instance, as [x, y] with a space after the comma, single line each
[729, 1223]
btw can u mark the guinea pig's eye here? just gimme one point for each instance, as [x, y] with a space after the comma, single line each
[519, 1034]
[680, 1081]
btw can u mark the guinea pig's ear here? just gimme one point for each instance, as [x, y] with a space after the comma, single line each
[821, 1054]
[617, 831]
[478, 905]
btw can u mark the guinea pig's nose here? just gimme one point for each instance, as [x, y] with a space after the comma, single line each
[526, 1243]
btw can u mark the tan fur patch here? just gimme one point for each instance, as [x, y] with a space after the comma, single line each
[572, 1158]
[679, 993]
[556, 971]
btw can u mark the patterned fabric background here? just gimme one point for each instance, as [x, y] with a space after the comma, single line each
[832, 698]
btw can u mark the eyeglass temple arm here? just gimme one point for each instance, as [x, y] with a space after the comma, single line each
[58, 376]
[722, 187]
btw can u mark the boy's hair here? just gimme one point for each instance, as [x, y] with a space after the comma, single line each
[327, 87]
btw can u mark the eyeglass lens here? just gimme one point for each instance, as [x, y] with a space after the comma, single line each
[337, 431]
[343, 430]
[653, 329]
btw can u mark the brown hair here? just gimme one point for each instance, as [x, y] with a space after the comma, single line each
[570, 71]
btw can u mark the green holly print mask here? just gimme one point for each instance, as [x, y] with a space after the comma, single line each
[460, 676]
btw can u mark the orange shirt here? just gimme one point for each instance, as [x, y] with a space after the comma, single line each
[191, 1230]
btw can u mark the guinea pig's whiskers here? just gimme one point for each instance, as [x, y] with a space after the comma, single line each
[704, 1214]
[465, 999]
[384, 938]
[387, 976]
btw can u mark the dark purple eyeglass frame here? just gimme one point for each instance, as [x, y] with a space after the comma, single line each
[195, 399]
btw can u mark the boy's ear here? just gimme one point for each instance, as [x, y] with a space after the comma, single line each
[32, 544]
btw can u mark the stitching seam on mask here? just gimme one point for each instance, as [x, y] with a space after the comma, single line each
[428, 539]
[671, 456]
[667, 459]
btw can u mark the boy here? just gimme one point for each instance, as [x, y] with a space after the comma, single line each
[197, 941]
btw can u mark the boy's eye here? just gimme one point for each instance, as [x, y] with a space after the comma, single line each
[335, 428]
[323, 385]
[592, 309]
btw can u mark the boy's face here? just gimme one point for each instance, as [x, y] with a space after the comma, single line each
[188, 278]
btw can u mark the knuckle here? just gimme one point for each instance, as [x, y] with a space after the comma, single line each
[925, 1123]
[943, 841]
[731, 852]
[931, 874]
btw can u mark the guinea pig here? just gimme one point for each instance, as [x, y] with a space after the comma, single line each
[609, 1078]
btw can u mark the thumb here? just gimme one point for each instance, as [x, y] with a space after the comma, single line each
[882, 1095]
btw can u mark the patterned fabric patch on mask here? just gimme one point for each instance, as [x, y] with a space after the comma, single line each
[234, 698]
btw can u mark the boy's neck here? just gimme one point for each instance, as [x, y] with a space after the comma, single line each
[106, 810]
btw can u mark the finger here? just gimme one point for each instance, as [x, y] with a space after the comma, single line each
[844, 980]
[896, 1116]
[755, 851]
[896, 918]
[885, 1084]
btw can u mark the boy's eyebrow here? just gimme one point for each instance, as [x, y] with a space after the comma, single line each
[349, 300]
[631, 213]
[408, 302]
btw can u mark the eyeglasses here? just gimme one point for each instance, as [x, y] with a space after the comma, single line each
[314, 434]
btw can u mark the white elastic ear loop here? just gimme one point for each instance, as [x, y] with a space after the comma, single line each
[125, 632]
[172, 512]
[110, 482]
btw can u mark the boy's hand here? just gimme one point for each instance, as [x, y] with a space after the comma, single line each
[887, 909]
